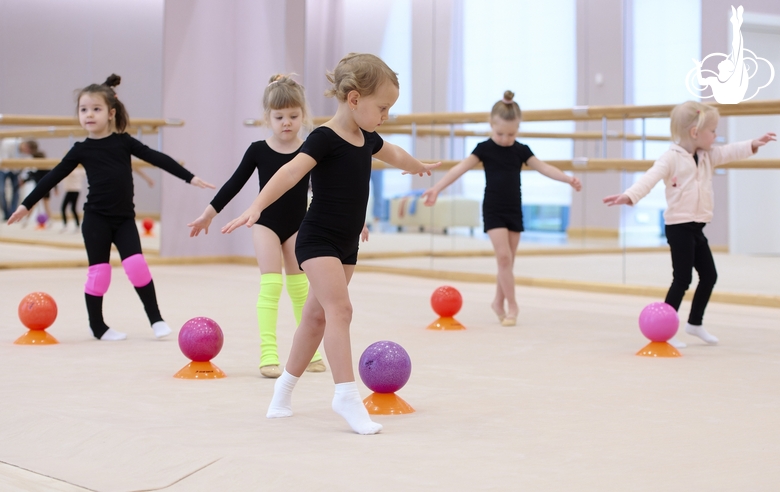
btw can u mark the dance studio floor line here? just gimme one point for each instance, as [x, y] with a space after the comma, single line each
[559, 402]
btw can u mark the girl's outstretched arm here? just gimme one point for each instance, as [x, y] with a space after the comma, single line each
[553, 172]
[398, 157]
[763, 140]
[285, 178]
[452, 175]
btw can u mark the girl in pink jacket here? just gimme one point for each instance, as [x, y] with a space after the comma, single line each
[687, 169]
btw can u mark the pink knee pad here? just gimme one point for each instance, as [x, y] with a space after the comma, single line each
[98, 279]
[137, 270]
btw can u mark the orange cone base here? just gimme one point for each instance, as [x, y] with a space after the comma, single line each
[446, 323]
[659, 349]
[200, 370]
[36, 337]
[386, 404]
[148, 234]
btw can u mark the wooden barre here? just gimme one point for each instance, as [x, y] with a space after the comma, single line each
[21, 119]
[47, 163]
[444, 132]
[597, 165]
[64, 131]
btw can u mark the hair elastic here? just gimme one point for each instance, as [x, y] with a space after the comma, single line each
[506, 101]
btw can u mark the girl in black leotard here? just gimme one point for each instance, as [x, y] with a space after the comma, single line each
[274, 233]
[109, 215]
[338, 155]
[502, 157]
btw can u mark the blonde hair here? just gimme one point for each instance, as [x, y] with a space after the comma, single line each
[506, 109]
[690, 114]
[283, 92]
[361, 72]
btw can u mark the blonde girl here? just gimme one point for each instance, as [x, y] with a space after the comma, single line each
[502, 157]
[687, 169]
[338, 154]
[275, 231]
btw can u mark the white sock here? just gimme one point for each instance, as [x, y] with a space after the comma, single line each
[699, 331]
[281, 403]
[347, 403]
[161, 329]
[112, 336]
[676, 343]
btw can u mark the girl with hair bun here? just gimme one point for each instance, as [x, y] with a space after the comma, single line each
[687, 169]
[502, 157]
[338, 155]
[275, 231]
[109, 215]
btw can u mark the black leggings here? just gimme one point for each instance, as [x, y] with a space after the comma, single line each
[690, 250]
[71, 198]
[100, 231]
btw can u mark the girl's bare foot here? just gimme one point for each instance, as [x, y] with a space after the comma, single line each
[498, 308]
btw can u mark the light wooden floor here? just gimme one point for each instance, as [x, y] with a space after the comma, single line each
[559, 402]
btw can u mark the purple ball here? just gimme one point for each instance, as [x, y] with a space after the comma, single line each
[42, 218]
[658, 321]
[200, 339]
[385, 367]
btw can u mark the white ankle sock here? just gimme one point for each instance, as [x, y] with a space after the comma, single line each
[676, 343]
[161, 329]
[112, 336]
[347, 403]
[699, 331]
[281, 403]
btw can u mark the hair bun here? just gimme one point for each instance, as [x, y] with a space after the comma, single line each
[113, 80]
[509, 96]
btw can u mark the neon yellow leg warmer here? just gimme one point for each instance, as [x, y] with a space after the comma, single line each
[298, 289]
[267, 313]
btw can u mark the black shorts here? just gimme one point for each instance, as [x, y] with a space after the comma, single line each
[509, 220]
[314, 243]
[284, 230]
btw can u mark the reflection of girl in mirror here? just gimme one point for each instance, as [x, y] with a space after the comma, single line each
[275, 231]
[687, 169]
[502, 158]
[339, 155]
[109, 215]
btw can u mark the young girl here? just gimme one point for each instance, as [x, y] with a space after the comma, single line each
[276, 229]
[108, 212]
[687, 169]
[338, 155]
[73, 183]
[502, 157]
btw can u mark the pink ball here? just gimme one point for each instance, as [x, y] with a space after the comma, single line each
[200, 339]
[658, 321]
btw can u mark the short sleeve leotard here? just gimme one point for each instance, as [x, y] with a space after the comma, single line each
[340, 185]
[284, 216]
[502, 206]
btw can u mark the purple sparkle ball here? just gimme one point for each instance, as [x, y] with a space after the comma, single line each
[658, 321]
[385, 367]
[200, 339]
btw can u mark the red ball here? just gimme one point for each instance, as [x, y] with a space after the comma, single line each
[37, 311]
[148, 224]
[446, 301]
[200, 339]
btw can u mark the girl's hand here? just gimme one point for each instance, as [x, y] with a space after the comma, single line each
[149, 181]
[621, 199]
[760, 142]
[200, 224]
[18, 215]
[430, 196]
[364, 233]
[248, 219]
[427, 168]
[575, 183]
[196, 181]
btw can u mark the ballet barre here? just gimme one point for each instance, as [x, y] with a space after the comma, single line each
[23, 120]
[46, 163]
[61, 131]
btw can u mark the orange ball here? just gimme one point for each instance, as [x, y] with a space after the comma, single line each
[446, 301]
[37, 311]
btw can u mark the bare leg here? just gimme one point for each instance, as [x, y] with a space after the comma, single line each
[505, 245]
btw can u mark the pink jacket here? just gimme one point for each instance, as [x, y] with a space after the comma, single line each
[688, 186]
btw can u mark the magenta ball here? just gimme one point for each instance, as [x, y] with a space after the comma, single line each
[385, 367]
[658, 322]
[200, 339]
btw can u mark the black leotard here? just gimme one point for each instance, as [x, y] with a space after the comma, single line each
[340, 185]
[109, 173]
[502, 205]
[284, 216]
